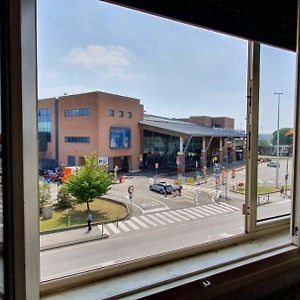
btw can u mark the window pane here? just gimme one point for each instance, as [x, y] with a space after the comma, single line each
[275, 165]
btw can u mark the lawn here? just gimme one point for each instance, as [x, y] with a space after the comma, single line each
[101, 210]
[261, 189]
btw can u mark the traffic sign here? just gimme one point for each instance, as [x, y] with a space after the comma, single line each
[131, 189]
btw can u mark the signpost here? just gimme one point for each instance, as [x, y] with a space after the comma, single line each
[130, 192]
[115, 171]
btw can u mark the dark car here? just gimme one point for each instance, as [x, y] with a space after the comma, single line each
[161, 188]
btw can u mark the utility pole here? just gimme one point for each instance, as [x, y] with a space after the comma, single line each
[277, 164]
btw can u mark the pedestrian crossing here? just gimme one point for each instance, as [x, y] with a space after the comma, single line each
[167, 217]
[197, 188]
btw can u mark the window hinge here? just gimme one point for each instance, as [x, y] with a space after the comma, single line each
[246, 209]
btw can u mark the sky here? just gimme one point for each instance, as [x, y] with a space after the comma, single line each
[176, 70]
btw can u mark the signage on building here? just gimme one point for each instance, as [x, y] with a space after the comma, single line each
[102, 160]
[156, 165]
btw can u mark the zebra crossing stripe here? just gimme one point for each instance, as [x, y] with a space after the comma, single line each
[224, 207]
[205, 211]
[156, 219]
[169, 214]
[179, 215]
[213, 209]
[188, 215]
[113, 228]
[227, 205]
[131, 224]
[220, 208]
[195, 213]
[123, 227]
[105, 231]
[164, 218]
[145, 219]
[136, 220]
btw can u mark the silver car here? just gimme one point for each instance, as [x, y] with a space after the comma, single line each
[161, 188]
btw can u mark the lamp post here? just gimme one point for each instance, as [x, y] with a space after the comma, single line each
[277, 152]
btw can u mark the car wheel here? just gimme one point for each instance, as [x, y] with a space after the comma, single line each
[161, 191]
[150, 188]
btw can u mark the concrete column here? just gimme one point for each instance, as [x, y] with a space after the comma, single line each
[221, 155]
[181, 144]
[203, 154]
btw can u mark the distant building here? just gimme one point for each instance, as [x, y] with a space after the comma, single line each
[217, 122]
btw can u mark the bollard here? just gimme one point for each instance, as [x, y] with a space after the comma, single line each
[69, 221]
[102, 230]
[117, 222]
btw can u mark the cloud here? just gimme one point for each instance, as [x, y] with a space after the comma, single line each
[113, 59]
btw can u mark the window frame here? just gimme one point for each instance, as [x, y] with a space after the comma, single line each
[111, 112]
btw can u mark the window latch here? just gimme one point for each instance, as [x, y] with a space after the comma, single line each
[206, 283]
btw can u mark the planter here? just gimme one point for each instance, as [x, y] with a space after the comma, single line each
[47, 211]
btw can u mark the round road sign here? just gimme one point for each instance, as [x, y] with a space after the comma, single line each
[131, 189]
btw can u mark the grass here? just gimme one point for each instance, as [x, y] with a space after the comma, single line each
[101, 210]
[261, 189]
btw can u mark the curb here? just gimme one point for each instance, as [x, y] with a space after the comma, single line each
[64, 244]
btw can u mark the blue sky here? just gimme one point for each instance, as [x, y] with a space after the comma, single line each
[175, 70]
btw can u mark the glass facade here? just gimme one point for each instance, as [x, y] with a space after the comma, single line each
[77, 139]
[44, 128]
[119, 138]
[81, 112]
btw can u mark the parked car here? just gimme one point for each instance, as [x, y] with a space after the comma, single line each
[161, 187]
[273, 164]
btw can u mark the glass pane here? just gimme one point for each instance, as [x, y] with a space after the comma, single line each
[178, 136]
[275, 146]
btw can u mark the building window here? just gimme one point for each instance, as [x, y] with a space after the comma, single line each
[71, 160]
[119, 138]
[44, 128]
[111, 112]
[78, 139]
[121, 114]
[129, 115]
[81, 112]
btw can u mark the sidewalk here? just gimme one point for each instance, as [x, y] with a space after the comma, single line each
[70, 237]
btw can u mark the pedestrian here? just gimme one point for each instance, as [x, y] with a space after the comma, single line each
[179, 190]
[165, 190]
[281, 191]
[89, 221]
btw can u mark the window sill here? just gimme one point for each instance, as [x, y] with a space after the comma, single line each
[160, 278]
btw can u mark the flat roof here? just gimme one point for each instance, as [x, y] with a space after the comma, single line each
[177, 127]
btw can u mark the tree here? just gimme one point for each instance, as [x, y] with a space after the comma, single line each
[263, 144]
[44, 193]
[283, 140]
[90, 182]
[64, 199]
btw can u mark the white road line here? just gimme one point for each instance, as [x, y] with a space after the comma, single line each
[156, 219]
[205, 211]
[220, 208]
[160, 215]
[225, 204]
[213, 209]
[179, 215]
[113, 228]
[169, 214]
[146, 219]
[187, 214]
[131, 224]
[123, 226]
[195, 213]
[136, 220]
[218, 204]
[105, 231]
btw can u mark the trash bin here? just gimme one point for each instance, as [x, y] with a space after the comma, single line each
[121, 179]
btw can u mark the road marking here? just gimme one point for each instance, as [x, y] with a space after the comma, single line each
[146, 219]
[156, 219]
[226, 208]
[105, 231]
[169, 214]
[225, 204]
[179, 215]
[123, 226]
[131, 224]
[213, 209]
[188, 215]
[195, 213]
[112, 227]
[284, 201]
[205, 211]
[150, 211]
[135, 219]
[160, 215]
[222, 209]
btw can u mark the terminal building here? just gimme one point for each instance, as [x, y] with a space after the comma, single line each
[117, 130]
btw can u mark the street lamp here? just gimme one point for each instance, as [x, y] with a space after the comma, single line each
[277, 164]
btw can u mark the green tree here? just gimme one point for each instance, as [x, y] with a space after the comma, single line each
[90, 182]
[64, 199]
[283, 140]
[44, 193]
[263, 144]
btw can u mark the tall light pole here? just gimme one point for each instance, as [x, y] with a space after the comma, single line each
[277, 164]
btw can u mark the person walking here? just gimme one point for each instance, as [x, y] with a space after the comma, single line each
[89, 221]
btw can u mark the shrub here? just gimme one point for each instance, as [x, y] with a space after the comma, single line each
[64, 199]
